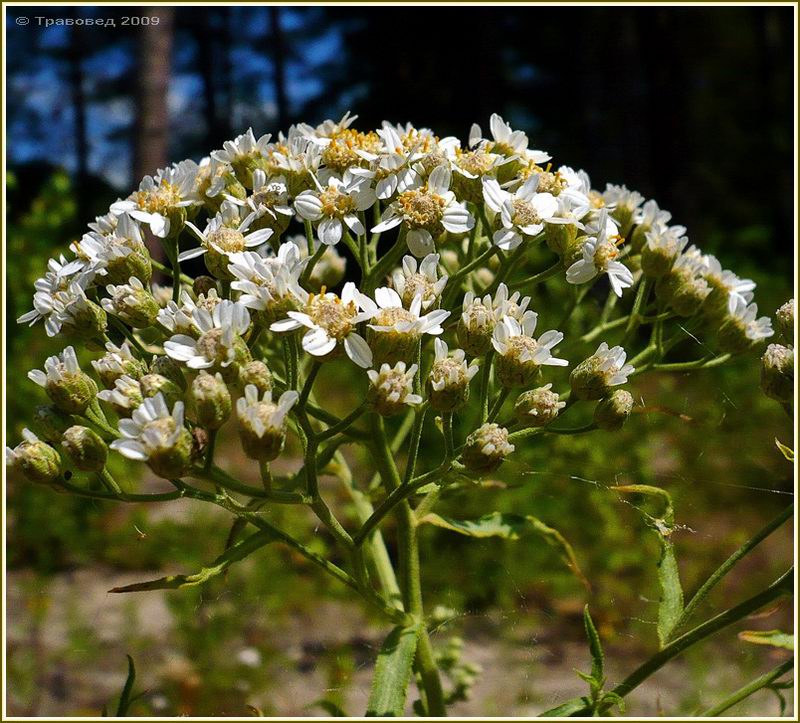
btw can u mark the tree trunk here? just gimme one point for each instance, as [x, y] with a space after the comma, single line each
[78, 99]
[279, 61]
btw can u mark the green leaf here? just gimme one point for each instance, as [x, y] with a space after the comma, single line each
[574, 707]
[595, 646]
[670, 603]
[237, 552]
[333, 710]
[392, 673]
[787, 452]
[509, 527]
[775, 638]
[125, 697]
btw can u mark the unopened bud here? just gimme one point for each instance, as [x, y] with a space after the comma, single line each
[203, 285]
[594, 377]
[212, 400]
[35, 459]
[476, 325]
[486, 448]
[70, 389]
[777, 372]
[124, 397]
[262, 424]
[391, 389]
[784, 320]
[50, 424]
[689, 297]
[538, 407]
[167, 367]
[449, 378]
[132, 303]
[152, 384]
[256, 373]
[560, 237]
[85, 448]
[116, 362]
[613, 411]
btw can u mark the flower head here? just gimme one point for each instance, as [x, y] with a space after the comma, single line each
[391, 388]
[449, 378]
[37, 460]
[419, 278]
[70, 389]
[486, 448]
[521, 214]
[600, 255]
[520, 355]
[262, 423]
[594, 377]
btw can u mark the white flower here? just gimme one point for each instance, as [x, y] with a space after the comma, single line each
[419, 278]
[269, 196]
[242, 148]
[651, 216]
[150, 430]
[338, 202]
[426, 212]
[600, 256]
[620, 198]
[57, 369]
[160, 196]
[225, 235]
[99, 252]
[506, 304]
[744, 315]
[388, 315]
[522, 213]
[740, 291]
[330, 321]
[220, 337]
[117, 360]
[262, 423]
[391, 388]
[611, 363]
[515, 338]
[125, 396]
[389, 170]
[506, 141]
[270, 283]
[210, 180]
[61, 285]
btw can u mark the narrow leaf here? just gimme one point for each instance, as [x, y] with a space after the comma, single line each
[509, 527]
[670, 603]
[333, 710]
[775, 638]
[574, 707]
[595, 646]
[125, 697]
[237, 552]
[787, 452]
[392, 673]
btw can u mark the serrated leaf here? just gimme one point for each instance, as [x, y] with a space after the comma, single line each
[574, 707]
[510, 526]
[670, 603]
[595, 646]
[392, 673]
[787, 452]
[775, 638]
[236, 552]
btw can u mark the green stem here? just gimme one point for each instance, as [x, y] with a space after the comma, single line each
[453, 281]
[782, 586]
[223, 479]
[498, 404]
[748, 690]
[212, 442]
[385, 264]
[604, 327]
[109, 481]
[309, 237]
[120, 496]
[312, 262]
[705, 363]
[715, 578]
[548, 273]
[413, 448]
[128, 334]
[344, 424]
[635, 317]
[309, 383]
[486, 375]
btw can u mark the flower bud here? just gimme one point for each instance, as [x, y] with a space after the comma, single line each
[594, 377]
[85, 320]
[70, 389]
[777, 372]
[560, 237]
[784, 319]
[538, 407]
[203, 285]
[50, 424]
[476, 325]
[85, 448]
[152, 384]
[37, 461]
[132, 303]
[212, 400]
[124, 397]
[256, 373]
[167, 367]
[613, 411]
[391, 389]
[486, 448]
[262, 424]
[449, 378]
[688, 298]
[116, 362]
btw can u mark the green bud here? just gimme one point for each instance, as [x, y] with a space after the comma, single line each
[256, 373]
[50, 424]
[118, 361]
[777, 372]
[657, 260]
[262, 424]
[690, 296]
[167, 367]
[69, 388]
[476, 325]
[594, 377]
[538, 407]
[613, 411]
[35, 459]
[152, 384]
[86, 320]
[85, 448]
[138, 264]
[203, 285]
[212, 400]
[486, 448]
[560, 237]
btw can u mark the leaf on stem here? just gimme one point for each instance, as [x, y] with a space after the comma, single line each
[237, 552]
[595, 646]
[125, 696]
[775, 638]
[510, 527]
[392, 672]
[787, 452]
[573, 707]
[670, 604]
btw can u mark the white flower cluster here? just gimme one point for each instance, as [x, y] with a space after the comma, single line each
[435, 227]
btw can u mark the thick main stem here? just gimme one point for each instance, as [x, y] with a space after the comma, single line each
[410, 580]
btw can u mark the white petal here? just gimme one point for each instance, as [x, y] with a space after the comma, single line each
[358, 350]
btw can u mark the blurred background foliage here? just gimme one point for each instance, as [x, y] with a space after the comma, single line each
[691, 106]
